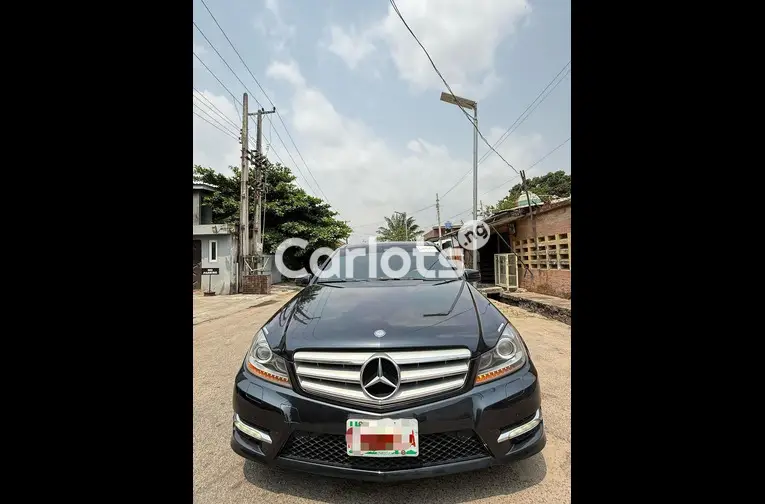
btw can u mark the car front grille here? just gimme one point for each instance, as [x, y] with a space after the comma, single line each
[435, 449]
[421, 374]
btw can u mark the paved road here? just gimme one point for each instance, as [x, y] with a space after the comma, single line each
[222, 337]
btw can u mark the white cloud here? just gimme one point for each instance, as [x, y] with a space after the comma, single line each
[414, 146]
[461, 37]
[288, 71]
[274, 28]
[351, 47]
[362, 175]
[366, 179]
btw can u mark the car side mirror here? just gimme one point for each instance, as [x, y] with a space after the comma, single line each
[472, 275]
[303, 280]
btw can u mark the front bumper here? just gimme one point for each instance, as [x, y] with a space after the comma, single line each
[462, 433]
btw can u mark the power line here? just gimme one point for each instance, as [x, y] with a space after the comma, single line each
[278, 136]
[219, 112]
[531, 167]
[456, 101]
[225, 124]
[517, 124]
[237, 101]
[518, 121]
[214, 126]
[284, 125]
[233, 96]
[215, 120]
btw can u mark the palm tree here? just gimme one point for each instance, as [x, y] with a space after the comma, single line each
[399, 228]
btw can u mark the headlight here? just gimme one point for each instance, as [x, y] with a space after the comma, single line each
[262, 362]
[507, 356]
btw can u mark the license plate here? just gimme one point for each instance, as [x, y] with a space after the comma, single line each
[382, 437]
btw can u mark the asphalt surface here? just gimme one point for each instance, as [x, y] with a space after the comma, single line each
[222, 336]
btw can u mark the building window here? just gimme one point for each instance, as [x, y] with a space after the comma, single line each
[550, 252]
[213, 251]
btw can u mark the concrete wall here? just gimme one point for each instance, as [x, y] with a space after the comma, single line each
[555, 282]
[223, 282]
[276, 276]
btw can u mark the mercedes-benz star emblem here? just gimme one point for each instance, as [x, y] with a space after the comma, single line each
[379, 333]
[380, 377]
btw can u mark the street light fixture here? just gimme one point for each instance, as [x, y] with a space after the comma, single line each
[406, 228]
[473, 105]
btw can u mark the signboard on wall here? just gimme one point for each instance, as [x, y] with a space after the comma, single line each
[210, 271]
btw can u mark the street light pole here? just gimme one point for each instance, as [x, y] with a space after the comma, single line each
[473, 105]
[475, 169]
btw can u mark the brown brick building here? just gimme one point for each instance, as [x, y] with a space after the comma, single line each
[549, 260]
[543, 267]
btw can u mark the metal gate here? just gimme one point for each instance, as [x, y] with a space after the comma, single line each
[506, 270]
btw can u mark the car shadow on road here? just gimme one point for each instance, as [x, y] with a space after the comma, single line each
[453, 489]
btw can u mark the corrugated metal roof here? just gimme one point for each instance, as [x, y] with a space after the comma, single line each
[204, 186]
[551, 202]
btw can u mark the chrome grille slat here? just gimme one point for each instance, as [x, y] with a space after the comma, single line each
[401, 358]
[410, 375]
[342, 375]
[423, 373]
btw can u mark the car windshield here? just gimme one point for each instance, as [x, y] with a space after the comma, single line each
[399, 262]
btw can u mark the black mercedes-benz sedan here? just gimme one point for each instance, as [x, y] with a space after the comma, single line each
[379, 376]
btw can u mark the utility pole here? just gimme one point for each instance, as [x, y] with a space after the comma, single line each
[531, 215]
[438, 216]
[475, 175]
[244, 204]
[257, 238]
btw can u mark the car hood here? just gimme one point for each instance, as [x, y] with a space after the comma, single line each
[346, 316]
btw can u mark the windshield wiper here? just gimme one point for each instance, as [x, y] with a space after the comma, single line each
[385, 279]
[425, 279]
[448, 280]
[340, 280]
[420, 278]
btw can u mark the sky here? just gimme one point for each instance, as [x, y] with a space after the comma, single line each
[359, 118]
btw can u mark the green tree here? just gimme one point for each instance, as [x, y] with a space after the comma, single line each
[290, 211]
[399, 227]
[548, 187]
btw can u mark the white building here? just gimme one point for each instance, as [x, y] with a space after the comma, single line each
[215, 247]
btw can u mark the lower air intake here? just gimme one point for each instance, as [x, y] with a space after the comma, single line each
[435, 449]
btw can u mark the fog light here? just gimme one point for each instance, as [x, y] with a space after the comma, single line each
[251, 431]
[521, 429]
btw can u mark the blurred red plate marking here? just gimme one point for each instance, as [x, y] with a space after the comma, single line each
[382, 437]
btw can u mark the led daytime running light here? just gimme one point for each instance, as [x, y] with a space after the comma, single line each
[496, 373]
[265, 374]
